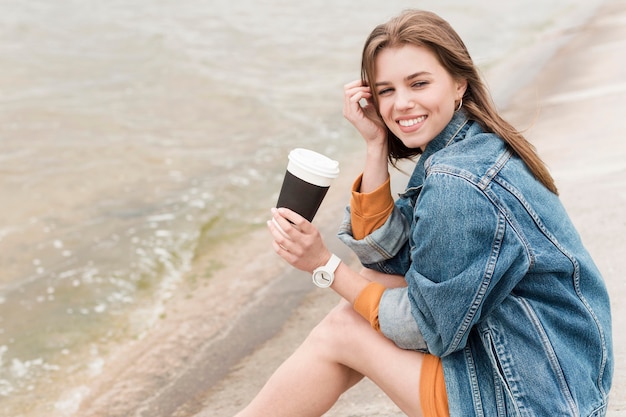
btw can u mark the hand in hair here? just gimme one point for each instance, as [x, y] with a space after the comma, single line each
[364, 117]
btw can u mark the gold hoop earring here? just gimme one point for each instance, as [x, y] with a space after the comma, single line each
[460, 105]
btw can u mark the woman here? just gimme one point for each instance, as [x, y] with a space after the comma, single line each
[477, 297]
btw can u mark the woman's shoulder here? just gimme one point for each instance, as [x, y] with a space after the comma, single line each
[476, 152]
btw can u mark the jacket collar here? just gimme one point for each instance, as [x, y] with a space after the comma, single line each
[454, 131]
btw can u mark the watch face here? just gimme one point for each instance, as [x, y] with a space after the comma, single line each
[322, 278]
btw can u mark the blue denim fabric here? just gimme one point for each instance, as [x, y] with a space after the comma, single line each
[500, 285]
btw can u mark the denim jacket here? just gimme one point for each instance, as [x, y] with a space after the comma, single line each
[500, 285]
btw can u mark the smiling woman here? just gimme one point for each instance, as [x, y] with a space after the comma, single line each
[137, 138]
[468, 275]
[386, 41]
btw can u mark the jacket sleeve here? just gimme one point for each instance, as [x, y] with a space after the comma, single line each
[467, 258]
[386, 249]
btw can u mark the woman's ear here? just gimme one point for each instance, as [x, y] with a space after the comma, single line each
[461, 87]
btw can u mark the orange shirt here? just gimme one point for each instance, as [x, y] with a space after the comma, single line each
[369, 211]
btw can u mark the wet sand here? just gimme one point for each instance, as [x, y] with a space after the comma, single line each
[218, 343]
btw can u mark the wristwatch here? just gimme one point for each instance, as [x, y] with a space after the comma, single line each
[324, 276]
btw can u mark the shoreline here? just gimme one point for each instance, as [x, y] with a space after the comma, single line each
[211, 325]
[223, 337]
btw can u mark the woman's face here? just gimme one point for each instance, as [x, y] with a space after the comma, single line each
[416, 95]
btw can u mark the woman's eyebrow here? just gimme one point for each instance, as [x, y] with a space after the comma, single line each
[381, 83]
[407, 78]
[416, 75]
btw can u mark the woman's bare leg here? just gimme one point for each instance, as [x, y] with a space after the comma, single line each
[334, 357]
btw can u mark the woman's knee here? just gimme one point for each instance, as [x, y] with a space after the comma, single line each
[339, 329]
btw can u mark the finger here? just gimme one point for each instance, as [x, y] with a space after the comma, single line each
[285, 226]
[278, 234]
[352, 109]
[355, 86]
[355, 94]
[285, 254]
[280, 239]
[279, 227]
[362, 95]
[287, 233]
[287, 216]
[352, 84]
[280, 250]
[355, 103]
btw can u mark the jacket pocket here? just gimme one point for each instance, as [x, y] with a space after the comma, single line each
[524, 363]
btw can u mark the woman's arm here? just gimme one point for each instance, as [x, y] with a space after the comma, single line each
[373, 131]
[299, 243]
[467, 258]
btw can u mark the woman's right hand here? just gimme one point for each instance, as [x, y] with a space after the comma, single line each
[363, 118]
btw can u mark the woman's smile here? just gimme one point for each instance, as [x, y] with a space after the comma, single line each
[411, 124]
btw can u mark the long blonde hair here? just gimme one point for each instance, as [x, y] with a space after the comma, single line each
[426, 29]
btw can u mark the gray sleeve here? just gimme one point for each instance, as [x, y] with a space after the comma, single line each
[397, 322]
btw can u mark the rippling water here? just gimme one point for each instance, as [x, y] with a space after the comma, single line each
[133, 134]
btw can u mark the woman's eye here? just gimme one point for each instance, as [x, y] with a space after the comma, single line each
[384, 91]
[419, 84]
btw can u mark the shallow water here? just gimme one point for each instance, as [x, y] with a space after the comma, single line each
[134, 135]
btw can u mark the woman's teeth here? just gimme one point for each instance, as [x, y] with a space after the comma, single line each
[411, 122]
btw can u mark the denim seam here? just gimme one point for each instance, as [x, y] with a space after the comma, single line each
[375, 246]
[500, 397]
[599, 411]
[515, 227]
[503, 219]
[494, 170]
[549, 350]
[504, 157]
[575, 278]
[473, 375]
[490, 195]
[382, 266]
[504, 366]
[485, 282]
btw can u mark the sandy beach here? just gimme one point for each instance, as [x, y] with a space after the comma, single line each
[217, 344]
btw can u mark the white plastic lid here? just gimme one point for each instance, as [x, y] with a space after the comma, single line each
[313, 167]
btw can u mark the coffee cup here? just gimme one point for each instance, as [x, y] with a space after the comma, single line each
[306, 182]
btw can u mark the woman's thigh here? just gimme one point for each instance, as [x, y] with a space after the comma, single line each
[347, 338]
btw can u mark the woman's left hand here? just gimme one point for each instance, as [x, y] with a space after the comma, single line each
[296, 240]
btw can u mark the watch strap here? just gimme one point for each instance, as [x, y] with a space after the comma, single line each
[333, 263]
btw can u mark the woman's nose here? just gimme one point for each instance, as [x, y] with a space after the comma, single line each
[404, 100]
